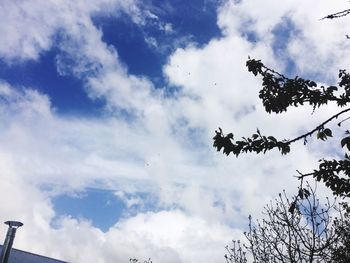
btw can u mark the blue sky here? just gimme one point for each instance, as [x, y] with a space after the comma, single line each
[101, 207]
[108, 109]
[193, 22]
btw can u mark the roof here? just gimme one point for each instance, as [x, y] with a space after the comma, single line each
[20, 256]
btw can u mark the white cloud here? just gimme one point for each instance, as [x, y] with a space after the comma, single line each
[28, 28]
[168, 28]
[151, 42]
[326, 38]
[168, 236]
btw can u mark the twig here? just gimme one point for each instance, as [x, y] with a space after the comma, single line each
[337, 15]
[319, 126]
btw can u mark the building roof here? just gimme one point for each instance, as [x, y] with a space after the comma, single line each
[19, 256]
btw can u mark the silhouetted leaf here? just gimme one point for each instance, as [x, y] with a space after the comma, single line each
[328, 132]
[301, 193]
[292, 207]
[346, 141]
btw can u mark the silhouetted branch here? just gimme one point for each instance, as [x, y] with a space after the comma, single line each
[337, 15]
[319, 126]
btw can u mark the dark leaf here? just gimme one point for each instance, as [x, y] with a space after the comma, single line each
[301, 193]
[328, 132]
[345, 141]
[292, 207]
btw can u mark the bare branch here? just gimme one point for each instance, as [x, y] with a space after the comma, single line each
[337, 15]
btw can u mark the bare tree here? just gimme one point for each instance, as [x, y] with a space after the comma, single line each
[341, 253]
[135, 260]
[297, 230]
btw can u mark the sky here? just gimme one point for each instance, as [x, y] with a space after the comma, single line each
[108, 109]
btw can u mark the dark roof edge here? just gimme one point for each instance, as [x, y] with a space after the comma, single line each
[19, 250]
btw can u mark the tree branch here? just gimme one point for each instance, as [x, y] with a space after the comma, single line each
[337, 15]
[319, 126]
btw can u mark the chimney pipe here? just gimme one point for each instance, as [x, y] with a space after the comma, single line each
[11, 232]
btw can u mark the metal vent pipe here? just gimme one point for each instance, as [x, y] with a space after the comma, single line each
[10, 236]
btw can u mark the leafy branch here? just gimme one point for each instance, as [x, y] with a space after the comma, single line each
[334, 174]
[258, 143]
[278, 93]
